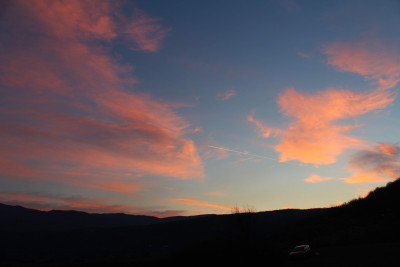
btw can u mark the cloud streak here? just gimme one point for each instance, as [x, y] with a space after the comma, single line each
[68, 112]
[46, 202]
[241, 153]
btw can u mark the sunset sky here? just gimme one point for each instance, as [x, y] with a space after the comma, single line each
[171, 108]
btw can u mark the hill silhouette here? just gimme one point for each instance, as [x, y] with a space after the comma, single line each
[63, 238]
[374, 218]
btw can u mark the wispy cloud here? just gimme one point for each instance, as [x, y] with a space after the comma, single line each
[264, 130]
[302, 54]
[226, 95]
[192, 202]
[375, 164]
[146, 31]
[241, 152]
[373, 59]
[316, 179]
[68, 114]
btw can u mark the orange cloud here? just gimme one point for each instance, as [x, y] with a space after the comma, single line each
[68, 114]
[377, 164]
[314, 136]
[316, 179]
[192, 202]
[372, 59]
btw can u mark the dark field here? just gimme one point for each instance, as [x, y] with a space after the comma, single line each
[386, 254]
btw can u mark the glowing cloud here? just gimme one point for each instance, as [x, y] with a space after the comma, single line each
[314, 136]
[377, 164]
[372, 59]
[68, 111]
[316, 179]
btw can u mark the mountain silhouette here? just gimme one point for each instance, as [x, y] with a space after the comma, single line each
[17, 218]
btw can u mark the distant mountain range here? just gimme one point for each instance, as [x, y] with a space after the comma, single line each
[39, 237]
[17, 218]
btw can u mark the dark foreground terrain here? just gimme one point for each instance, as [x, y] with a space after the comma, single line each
[362, 232]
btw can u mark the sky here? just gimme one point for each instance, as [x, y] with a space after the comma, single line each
[169, 108]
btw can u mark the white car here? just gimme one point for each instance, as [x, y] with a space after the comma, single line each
[301, 251]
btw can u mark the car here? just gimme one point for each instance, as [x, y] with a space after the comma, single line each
[300, 252]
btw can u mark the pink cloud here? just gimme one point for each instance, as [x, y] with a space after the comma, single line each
[146, 32]
[376, 164]
[302, 54]
[317, 179]
[372, 59]
[226, 95]
[68, 113]
[314, 134]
